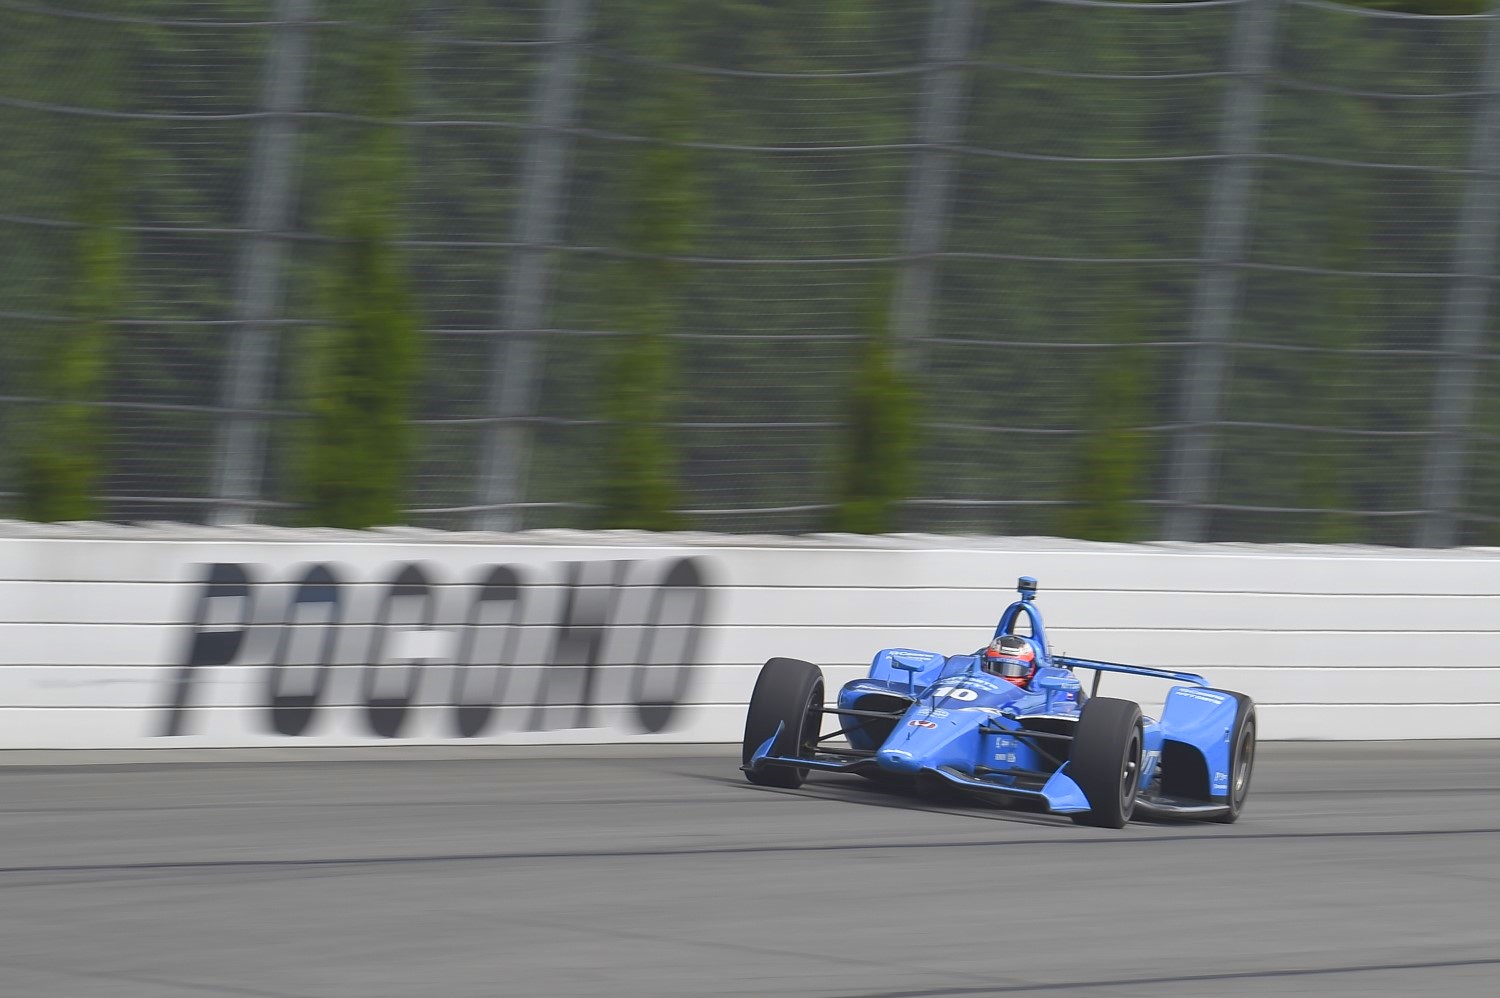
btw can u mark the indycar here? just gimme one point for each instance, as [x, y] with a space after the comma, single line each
[922, 719]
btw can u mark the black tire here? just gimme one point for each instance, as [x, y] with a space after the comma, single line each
[1106, 761]
[1241, 759]
[786, 694]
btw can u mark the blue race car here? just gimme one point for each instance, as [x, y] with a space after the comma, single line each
[961, 721]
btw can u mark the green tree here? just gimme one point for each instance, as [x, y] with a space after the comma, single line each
[1111, 461]
[59, 458]
[875, 458]
[363, 364]
[1305, 347]
[58, 449]
[639, 490]
[663, 216]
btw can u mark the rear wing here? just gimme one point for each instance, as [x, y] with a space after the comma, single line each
[1100, 668]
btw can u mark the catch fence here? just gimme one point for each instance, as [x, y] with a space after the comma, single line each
[1225, 264]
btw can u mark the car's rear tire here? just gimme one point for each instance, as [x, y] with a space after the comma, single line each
[1106, 761]
[788, 694]
[1241, 759]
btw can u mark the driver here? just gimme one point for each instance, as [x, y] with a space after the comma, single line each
[1012, 658]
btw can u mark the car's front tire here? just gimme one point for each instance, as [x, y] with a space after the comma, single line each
[1106, 761]
[788, 694]
[1241, 759]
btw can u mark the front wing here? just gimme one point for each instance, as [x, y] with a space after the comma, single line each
[1059, 793]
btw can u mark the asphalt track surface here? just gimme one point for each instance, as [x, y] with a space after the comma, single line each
[1356, 870]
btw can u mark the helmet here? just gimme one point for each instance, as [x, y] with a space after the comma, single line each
[1010, 657]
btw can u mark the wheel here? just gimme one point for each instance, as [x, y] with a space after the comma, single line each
[1106, 761]
[788, 693]
[1241, 759]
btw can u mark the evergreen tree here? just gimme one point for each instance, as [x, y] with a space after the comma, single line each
[1305, 347]
[1111, 460]
[59, 460]
[58, 448]
[363, 363]
[664, 205]
[875, 460]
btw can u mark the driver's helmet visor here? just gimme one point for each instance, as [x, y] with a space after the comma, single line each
[1008, 666]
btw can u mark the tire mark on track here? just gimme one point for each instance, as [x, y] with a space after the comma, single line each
[1248, 975]
[814, 955]
[848, 793]
[1092, 841]
[322, 805]
[1378, 791]
[843, 794]
[155, 981]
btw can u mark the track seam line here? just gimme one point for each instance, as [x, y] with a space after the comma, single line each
[1248, 975]
[1053, 842]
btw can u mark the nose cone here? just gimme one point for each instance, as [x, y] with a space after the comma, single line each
[898, 760]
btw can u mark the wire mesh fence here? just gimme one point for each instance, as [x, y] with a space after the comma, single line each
[1228, 262]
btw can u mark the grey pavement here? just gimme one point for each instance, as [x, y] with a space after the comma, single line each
[1357, 869]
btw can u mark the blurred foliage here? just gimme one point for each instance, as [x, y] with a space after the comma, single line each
[64, 361]
[746, 377]
[1113, 455]
[1060, 369]
[362, 364]
[874, 458]
[761, 351]
[59, 445]
[663, 215]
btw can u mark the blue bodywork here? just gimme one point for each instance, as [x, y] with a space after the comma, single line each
[926, 716]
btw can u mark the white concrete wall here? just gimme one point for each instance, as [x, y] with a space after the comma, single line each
[97, 624]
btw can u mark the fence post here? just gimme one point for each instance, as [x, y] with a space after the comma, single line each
[258, 276]
[523, 303]
[1194, 456]
[1468, 305]
[954, 23]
